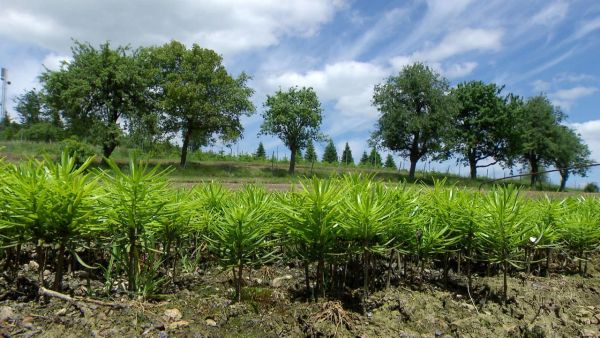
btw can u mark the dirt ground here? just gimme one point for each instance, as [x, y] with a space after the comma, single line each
[274, 305]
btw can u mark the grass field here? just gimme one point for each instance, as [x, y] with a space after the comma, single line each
[235, 171]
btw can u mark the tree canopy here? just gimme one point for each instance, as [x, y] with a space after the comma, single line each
[347, 158]
[330, 153]
[480, 124]
[569, 151]
[96, 90]
[534, 132]
[310, 155]
[295, 117]
[260, 152]
[199, 98]
[415, 114]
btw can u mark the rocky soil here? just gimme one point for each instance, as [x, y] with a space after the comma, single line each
[274, 305]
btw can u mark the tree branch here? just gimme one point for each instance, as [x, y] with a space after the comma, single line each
[487, 165]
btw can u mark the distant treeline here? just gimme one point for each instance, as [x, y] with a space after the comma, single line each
[146, 97]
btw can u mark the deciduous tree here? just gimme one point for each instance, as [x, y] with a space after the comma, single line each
[569, 151]
[415, 114]
[96, 90]
[200, 99]
[295, 117]
[480, 124]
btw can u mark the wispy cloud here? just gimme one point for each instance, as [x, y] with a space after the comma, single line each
[590, 132]
[462, 41]
[552, 14]
[566, 97]
[587, 27]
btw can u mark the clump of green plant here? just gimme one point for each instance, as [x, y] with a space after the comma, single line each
[311, 217]
[591, 187]
[135, 201]
[239, 238]
[544, 231]
[368, 214]
[52, 205]
[503, 230]
[579, 231]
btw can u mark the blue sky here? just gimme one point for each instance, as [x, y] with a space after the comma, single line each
[340, 48]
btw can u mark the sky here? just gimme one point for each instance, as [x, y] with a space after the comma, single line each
[341, 48]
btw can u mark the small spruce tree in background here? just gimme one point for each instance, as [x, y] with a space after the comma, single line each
[364, 160]
[375, 158]
[389, 162]
[330, 154]
[260, 152]
[347, 156]
[311, 154]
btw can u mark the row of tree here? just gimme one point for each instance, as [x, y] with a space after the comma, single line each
[150, 93]
[156, 93]
[422, 117]
[330, 155]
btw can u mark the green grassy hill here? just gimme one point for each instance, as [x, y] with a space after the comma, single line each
[244, 169]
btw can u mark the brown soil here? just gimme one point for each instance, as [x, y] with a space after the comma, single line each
[274, 305]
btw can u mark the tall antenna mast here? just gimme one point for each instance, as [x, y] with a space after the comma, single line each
[5, 83]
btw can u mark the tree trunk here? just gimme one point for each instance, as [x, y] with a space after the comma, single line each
[293, 160]
[533, 163]
[472, 165]
[505, 284]
[366, 263]
[108, 148]
[414, 156]
[321, 277]
[60, 262]
[564, 175]
[184, 149]
[413, 167]
[133, 260]
[239, 281]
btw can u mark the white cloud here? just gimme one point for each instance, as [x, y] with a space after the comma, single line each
[453, 44]
[53, 61]
[379, 31]
[566, 97]
[540, 86]
[452, 71]
[463, 41]
[587, 27]
[552, 14]
[590, 132]
[228, 26]
[459, 70]
[348, 85]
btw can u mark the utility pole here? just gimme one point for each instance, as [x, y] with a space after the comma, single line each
[5, 83]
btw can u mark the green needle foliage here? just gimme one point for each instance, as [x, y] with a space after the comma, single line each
[240, 237]
[71, 208]
[368, 214]
[312, 220]
[175, 226]
[579, 230]
[467, 225]
[50, 204]
[26, 200]
[504, 228]
[544, 233]
[134, 204]
[433, 224]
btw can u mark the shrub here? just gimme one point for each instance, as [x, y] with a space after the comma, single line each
[78, 150]
[591, 187]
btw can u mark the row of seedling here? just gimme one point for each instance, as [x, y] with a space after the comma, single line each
[128, 223]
